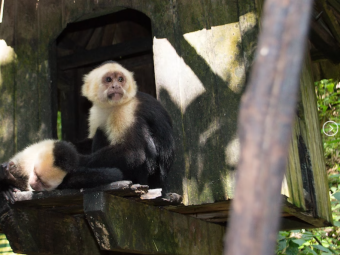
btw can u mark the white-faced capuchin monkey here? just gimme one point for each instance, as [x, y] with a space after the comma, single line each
[42, 167]
[128, 130]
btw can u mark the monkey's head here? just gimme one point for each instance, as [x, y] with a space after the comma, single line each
[109, 84]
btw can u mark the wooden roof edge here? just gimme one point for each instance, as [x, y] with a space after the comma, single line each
[306, 216]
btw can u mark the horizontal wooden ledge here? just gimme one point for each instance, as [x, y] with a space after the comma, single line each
[71, 202]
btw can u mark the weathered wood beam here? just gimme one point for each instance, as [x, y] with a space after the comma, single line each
[335, 4]
[38, 231]
[324, 42]
[330, 19]
[306, 217]
[105, 53]
[122, 225]
[71, 201]
[265, 123]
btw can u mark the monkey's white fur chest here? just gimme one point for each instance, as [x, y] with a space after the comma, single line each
[115, 120]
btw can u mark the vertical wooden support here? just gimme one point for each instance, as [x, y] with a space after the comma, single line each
[37, 231]
[124, 225]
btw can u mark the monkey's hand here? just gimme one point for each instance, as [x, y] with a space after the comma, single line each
[9, 194]
[5, 174]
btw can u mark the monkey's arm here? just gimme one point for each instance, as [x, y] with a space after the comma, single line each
[130, 160]
[90, 178]
[7, 183]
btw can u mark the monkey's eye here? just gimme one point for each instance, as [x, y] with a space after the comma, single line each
[108, 79]
[120, 79]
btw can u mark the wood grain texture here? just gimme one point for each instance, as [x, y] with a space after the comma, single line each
[27, 114]
[7, 81]
[49, 27]
[123, 225]
[42, 232]
[314, 143]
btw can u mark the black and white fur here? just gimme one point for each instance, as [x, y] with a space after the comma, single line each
[129, 130]
[43, 166]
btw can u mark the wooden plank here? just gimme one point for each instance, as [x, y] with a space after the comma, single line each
[36, 231]
[74, 10]
[330, 19]
[312, 137]
[304, 216]
[293, 172]
[249, 26]
[105, 53]
[167, 67]
[7, 81]
[117, 222]
[335, 4]
[67, 104]
[203, 208]
[324, 41]
[50, 26]
[27, 114]
[197, 105]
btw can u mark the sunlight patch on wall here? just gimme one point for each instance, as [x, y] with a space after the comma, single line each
[169, 66]
[7, 54]
[220, 47]
[285, 188]
[232, 152]
[214, 126]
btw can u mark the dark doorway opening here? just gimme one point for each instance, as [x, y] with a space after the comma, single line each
[125, 37]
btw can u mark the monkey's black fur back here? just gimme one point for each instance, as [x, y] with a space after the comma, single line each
[146, 153]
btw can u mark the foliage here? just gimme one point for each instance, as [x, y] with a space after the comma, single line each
[328, 101]
[324, 240]
[59, 130]
[5, 248]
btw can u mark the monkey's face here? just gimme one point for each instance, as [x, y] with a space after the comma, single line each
[109, 85]
[114, 84]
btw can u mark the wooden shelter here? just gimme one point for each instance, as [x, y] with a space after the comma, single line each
[194, 57]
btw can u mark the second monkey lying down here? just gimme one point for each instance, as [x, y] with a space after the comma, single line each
[128, 130]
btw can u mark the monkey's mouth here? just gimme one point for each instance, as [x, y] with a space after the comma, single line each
[115, 96]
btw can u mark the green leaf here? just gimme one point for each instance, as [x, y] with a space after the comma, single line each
[283, 234]
[282, 244]
[293, 248]
[330, 87]
[300, 242]
[309, 251]
[337, 223]
[337, 196]
[321, 248]
[333, 141]
[307, 235]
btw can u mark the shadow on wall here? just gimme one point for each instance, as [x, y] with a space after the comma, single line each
[204, 107]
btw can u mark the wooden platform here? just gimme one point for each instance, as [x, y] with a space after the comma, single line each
[71, 202]
[122, 217]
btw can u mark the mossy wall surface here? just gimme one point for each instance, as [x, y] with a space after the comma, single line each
[203, 51]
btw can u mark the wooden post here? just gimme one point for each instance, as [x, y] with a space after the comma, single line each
[265, 123]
